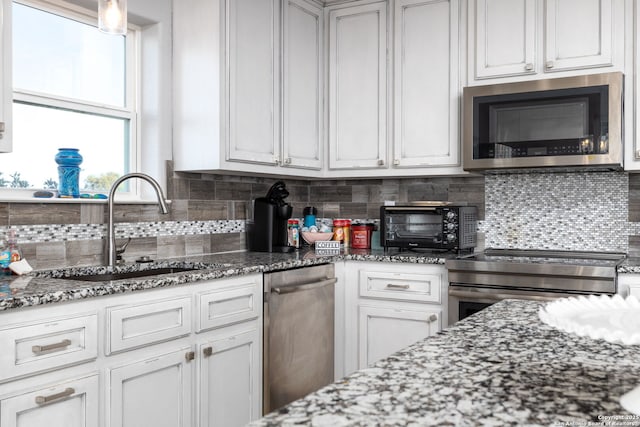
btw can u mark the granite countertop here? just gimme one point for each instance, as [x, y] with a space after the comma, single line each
[630, 265]
[50, 286]
[499, 367]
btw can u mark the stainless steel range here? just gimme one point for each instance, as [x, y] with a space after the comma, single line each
[479, 280]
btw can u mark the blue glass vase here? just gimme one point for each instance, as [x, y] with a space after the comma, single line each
[68, 160]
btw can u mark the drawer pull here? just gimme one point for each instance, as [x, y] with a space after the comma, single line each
[207, 351]
[433, 318]
[43, 400]
[394, 286]
[190, 355]
[37, 349]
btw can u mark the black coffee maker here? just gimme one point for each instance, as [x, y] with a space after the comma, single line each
[268, 230]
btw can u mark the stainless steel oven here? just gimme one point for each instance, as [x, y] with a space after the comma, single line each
[480, 280]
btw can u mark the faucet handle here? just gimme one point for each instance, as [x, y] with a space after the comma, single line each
[121, 249]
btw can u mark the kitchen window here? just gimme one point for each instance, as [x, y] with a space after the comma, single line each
[73, 87]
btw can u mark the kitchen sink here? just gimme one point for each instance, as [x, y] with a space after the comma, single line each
[104, 277]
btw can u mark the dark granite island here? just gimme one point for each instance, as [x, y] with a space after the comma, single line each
[500, 367]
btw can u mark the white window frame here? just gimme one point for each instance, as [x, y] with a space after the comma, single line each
[130, 111]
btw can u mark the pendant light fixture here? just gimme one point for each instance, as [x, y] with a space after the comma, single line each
[112, 16]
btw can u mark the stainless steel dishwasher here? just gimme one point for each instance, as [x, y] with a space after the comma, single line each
[298, 333]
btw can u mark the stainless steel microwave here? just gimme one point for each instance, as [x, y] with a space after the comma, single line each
[560, 122]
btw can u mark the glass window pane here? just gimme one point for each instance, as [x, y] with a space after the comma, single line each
[63, 57]
[40, 131]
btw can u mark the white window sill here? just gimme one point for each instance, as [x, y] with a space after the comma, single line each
[26, 196]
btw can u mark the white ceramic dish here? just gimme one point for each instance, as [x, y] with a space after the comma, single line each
[612, 319]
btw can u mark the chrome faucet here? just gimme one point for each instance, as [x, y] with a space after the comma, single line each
[111, 235]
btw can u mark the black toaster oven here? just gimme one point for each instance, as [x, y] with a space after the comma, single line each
[429, 225]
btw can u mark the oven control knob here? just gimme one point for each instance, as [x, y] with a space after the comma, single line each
[451, 237]
[451, 215]
[451, 226]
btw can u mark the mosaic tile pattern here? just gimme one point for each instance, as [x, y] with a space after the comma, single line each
[66, 232]
[565, 211]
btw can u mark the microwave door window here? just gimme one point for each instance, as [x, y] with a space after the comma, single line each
[540, 129]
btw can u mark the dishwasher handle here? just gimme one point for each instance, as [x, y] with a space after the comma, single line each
[304, 287]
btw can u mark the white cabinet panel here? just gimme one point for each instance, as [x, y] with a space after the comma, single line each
[230, 378]
[579, 34]
[504, 33]
[239, 301]
[302, 85]
[253, 76]
[400, 286]
[383, 331]
[47, 345]
[132, 326]
[358, 86]
[427, 83]
[152, 392]
[73, 403]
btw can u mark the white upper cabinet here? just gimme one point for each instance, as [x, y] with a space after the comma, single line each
[357, 125]
[511, 38]
[302, 85]
[580, 34]
[503, 33]
[427, 83]
[253, 79]
[6, 86]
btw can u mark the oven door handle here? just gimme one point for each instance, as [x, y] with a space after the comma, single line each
[500, 295]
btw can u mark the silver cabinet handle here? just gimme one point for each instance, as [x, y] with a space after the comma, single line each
[549, 64]
[380, 162]
[38, 349]
[528, 67]
[287, 161]
[190, 355]
[394, 286]
[43, 400]
[433, 318]
[396, 162]
[207, 351]
[305, 287]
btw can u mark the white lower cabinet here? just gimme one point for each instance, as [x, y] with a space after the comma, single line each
[229, 376]
[174, 357]
[72, 403]
[154, 392]
[389, 306]
[383, 331]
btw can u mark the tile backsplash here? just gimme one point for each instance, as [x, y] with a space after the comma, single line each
[586, 211]
[574, 211]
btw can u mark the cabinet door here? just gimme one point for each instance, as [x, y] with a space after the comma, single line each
[358, 86]
[253, 74]
[74, 403]
[427, 83]
[302, 81]
[152, 392]
[579, 34]
[6, 83]
[230, 374]
[383, 331]
[502, 38]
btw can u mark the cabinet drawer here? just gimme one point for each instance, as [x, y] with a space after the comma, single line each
[48, 345]
[132, 326]
[236, 303]
[71, 403]
[400, 286]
